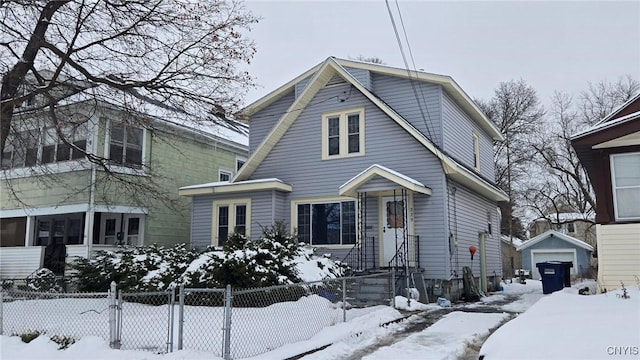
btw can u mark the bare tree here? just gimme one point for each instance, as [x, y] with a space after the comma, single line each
[516, 110]
[177, 59]
[558, 183]
[369, 59]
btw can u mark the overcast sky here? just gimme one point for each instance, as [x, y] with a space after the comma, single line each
[552, 45]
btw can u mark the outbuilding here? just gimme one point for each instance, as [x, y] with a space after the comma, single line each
[555, 246]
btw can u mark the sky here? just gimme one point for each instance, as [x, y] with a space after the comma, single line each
[556, 45]
[562, 325]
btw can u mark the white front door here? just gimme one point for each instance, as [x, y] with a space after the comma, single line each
[395, 224]
[109, 228]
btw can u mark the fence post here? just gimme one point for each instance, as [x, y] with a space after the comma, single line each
[181, 317]
[119, 320]
[344, 300]
[112, 315]
[226, 346]
[172, 301]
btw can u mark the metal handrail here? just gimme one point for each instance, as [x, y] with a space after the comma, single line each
[403, 255]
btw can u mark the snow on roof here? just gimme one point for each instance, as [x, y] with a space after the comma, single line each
[386, 169]
[604, 125]
[552, 233]
[567, 216]
[227, 183]
[516, 241]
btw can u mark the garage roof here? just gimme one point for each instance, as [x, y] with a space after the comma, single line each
[551, 233]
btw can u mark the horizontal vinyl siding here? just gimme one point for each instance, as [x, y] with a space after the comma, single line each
[618, 255]
[20, 262]
[458, 128]
[399, 94]
[363, 76]
[264, 120]
[296, 160]
[201, 217]
[299, 87]
[468, 214]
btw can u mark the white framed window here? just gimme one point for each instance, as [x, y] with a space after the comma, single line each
[120, 229]
[625, 181]
[476, 152]
[325, 222]
[43, 145]
[230, 216]
[224, 175]
[343, 134]
[240, 161]
[126, 144]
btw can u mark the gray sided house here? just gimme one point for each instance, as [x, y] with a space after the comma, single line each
[380, 167]
[556, 246]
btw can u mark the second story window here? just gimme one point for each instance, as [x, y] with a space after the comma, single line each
[476, 152]
[343, 134]
[224, 175]
[125, 145]
[44, 146]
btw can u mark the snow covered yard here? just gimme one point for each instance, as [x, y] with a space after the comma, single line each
[566, 325]
[562, 325]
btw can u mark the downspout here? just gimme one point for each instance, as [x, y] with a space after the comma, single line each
[92, 192]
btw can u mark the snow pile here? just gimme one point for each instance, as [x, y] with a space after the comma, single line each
[565, 325]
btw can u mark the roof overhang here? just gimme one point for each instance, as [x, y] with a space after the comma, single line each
[230, 187]
[350, 188]
[447, 82]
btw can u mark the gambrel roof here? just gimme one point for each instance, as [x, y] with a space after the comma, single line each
[323, 73]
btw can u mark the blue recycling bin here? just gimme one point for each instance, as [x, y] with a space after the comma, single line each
[552, 274]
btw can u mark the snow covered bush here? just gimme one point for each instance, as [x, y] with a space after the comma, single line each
[43, 280]
[275, 259]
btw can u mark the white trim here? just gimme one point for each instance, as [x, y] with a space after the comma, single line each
[343, 134]
[614, 187]
[49, 210]
[121, 209]
[240, 158]
[606, 125]
[350, 187]
[626, 140]
[225, 187]
[231, 204]
[549, 233]
[223, 171]
[534, 268]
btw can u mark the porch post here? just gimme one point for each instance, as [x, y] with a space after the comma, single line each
[28, 237]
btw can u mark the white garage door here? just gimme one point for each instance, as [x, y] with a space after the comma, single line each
[560, 255]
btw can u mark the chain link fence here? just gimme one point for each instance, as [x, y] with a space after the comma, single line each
[64, 315]
[232, 323]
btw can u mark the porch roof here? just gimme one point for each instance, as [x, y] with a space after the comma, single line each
[350, 188]
[224, 187]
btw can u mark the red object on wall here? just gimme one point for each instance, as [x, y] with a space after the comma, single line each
[472, 251]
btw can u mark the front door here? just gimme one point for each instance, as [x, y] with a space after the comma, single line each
[394, 219]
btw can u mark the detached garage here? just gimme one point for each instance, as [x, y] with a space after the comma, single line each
[555, 246]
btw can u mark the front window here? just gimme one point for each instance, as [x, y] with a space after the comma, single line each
[231, 216]
[125, 145]
[343, 134]
[625, 174]
[327, 223]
